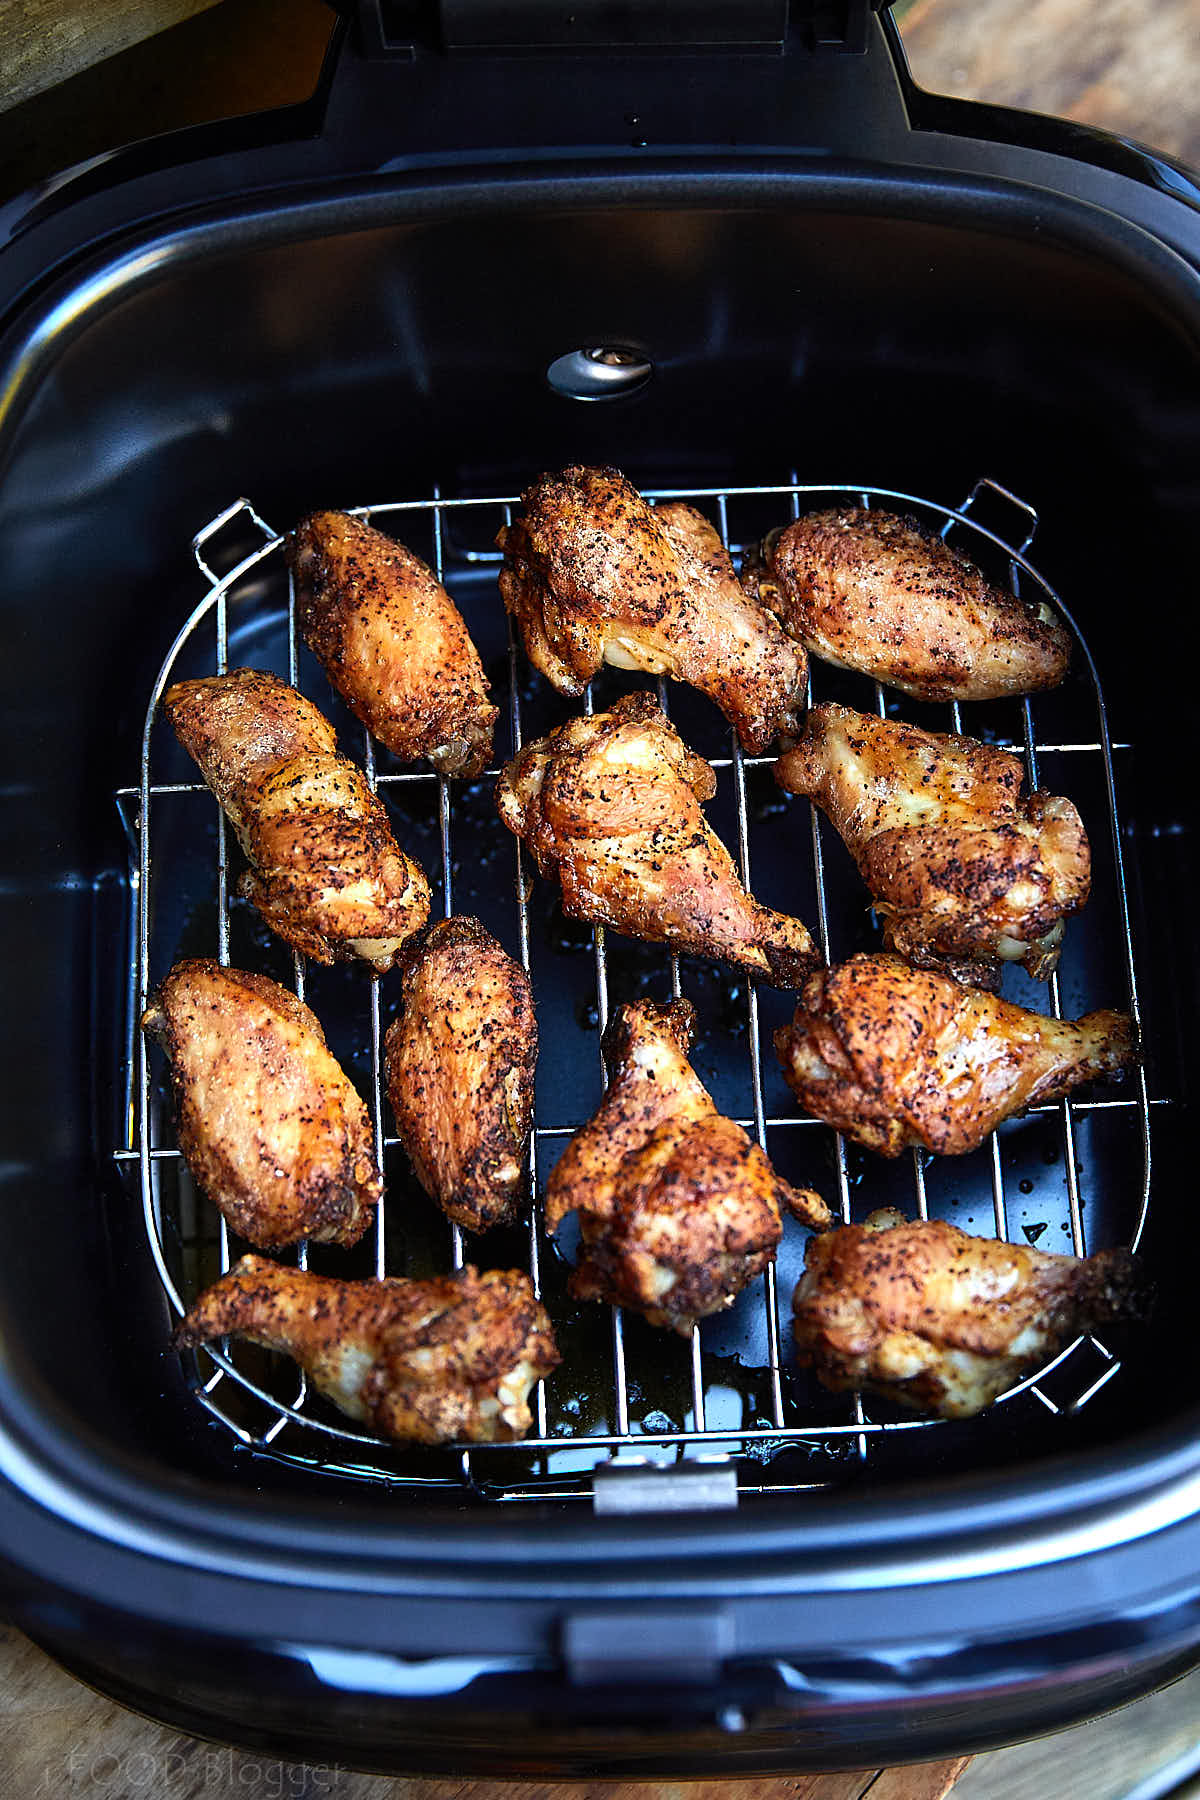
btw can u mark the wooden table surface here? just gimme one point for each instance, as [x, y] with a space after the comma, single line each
[1128, 65]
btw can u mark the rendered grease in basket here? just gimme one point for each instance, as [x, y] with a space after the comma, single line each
[893, 1055]
[869, 591]
[679, 1208]
[270, 1127]
[392, 642]
[964, 871]
[943, 1321]
[460, 1064]
[427, 1362]
[593, 575]
[325, 871]
[610, 803]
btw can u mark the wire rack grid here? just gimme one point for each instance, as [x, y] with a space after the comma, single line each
[559, 1456]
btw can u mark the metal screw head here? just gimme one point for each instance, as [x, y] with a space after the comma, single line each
[600, 372]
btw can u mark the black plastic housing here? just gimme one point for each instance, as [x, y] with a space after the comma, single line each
[826, 269]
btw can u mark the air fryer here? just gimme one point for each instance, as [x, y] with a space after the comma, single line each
[742, 258]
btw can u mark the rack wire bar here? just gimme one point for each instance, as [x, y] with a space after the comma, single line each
[275, 1415]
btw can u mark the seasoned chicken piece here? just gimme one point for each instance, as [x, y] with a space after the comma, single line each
[893, 1055]
[269, 1125]
[325, 871]
[460, 1063]
[869, 591]
[678, 1209]
[593, 575]
[944, 1322]
[611, 804]
[427, 1362]
[392, 642]
[963, 869]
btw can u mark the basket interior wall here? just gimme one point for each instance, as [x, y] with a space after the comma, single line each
[375, 363]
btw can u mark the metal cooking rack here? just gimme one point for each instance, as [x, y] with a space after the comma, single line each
[314, 1439]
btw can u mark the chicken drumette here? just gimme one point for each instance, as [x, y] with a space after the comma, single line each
[885, 595]
[325, 871]
[611, 804]
[427, 1362]
[893, 1055]
[270, 1127]
[392, 642]
[593, 574]
[942, 1321]
[964, 870]
[678, 1208]
[460, 1064]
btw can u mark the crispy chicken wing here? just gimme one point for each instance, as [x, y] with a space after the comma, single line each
[460, 1063]
[593, 574]
[611, 804]
[963, 869]
[270, 1127]
[428, 1362]
[942, 1321]
[884, 595]
[392, 642]
[678, 1208]
[893, 1055]
[325, 871]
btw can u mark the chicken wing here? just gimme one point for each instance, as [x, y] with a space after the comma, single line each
[611, 804]
[893, 1055]
[885, 595]
[270, 1127]
[963, 870]
[460, 1063]
[427, 1362]
[392, 642]
[944, 1322]
[593, 575]
[678, 1208]
[325, 871]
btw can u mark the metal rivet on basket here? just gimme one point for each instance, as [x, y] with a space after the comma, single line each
[600, 372]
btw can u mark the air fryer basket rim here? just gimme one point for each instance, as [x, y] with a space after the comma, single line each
[35, 321]
[1076, 1500]
[108, 275]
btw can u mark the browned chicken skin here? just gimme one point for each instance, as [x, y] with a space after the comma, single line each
[392, 642]
[460, 1066]
[942, 1321]
[679, 1209]
[325, 871]
[593, 574]
[893, 1055]
[869, 591]
[427, 1362]
[270, 1127]
[962, 868]
[611, 805]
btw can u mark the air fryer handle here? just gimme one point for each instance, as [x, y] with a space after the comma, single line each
[457, 82]
[498, 25]
[608, 24]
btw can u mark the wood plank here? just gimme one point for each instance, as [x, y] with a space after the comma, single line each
[923, 1781]
[43, 42]
[1129, 66]
[1103, 1759]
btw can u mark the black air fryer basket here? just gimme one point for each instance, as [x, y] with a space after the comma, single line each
[734, 251]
